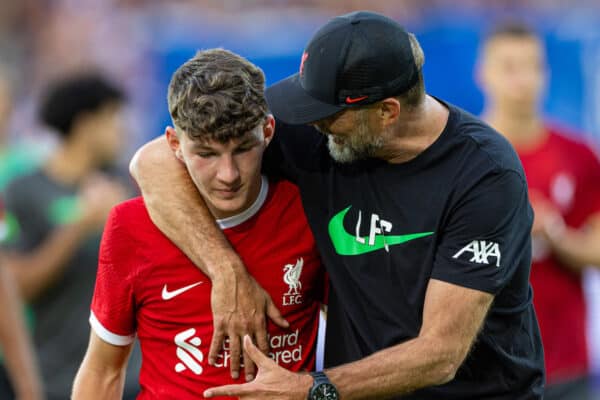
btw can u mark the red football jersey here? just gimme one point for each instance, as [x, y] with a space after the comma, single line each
[567, 173]
[147, 286]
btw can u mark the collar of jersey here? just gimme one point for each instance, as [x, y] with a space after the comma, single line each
[248, 213]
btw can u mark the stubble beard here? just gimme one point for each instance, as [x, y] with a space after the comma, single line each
[361, 144]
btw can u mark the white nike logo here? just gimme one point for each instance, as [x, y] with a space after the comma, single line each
[166, 295]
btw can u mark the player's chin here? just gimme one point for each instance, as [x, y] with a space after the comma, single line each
[230, 204]
[228, 195]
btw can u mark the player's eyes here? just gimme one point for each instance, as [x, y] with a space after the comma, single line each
[206, 154]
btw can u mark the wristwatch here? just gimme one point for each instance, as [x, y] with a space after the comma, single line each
[322, 388]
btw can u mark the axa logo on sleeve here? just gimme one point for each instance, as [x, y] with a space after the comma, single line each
[481, 251]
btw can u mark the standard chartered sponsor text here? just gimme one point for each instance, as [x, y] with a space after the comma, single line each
[284, 349]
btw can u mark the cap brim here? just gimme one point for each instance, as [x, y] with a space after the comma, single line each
[290, 103]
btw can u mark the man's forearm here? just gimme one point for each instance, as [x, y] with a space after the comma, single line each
[15, 343]
[163, 179]
[428, 360]
[395, 371]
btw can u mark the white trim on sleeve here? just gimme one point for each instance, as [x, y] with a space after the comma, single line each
[108, 336]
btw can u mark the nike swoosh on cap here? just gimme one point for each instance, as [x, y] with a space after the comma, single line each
[346, 244]
[168, 295]
[351, 100]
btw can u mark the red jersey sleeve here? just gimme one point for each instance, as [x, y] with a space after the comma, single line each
[113, 305]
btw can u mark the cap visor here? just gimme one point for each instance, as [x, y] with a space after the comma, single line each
[290, 103]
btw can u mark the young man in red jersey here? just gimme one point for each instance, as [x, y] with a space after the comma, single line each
[563, 176]
[147, 287]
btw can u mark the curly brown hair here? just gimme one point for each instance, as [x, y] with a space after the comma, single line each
[217, 95]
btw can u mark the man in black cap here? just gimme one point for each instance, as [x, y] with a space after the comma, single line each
[421, 215]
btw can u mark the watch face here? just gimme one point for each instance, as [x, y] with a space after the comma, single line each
[325, 391]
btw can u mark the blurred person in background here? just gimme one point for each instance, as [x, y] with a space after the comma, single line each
[15, 343]
[60, 211]
[563, 175]
[15, 158]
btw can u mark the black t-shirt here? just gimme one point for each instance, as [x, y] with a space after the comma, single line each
[458, 212]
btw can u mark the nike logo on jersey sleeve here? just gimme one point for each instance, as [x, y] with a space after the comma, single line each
[168, 295]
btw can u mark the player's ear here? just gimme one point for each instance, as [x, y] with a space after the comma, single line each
[268, 129]
[174, 142]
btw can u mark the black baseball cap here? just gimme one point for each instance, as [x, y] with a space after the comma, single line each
[355, 59]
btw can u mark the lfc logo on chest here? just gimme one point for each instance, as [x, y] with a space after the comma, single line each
[291, 276]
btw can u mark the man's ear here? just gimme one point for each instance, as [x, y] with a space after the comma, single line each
[389, 110]
[269, 129]
[174, 142]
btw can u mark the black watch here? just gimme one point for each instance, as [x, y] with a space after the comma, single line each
[322, 388]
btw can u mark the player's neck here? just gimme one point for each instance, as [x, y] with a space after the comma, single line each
[70, 163]
[524, 131]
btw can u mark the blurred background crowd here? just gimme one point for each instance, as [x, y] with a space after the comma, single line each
[137, 44]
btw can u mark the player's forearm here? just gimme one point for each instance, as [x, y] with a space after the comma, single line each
[163, 179]
[15, 343]
[101, 375]
[37, 270]
[98, 384]
[398, 370]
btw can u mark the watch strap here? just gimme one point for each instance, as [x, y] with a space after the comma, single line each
[319, 378]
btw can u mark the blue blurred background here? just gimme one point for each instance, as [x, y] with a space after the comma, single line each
[141, 42]
[449, 33]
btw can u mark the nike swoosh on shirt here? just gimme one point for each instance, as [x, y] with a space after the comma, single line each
[345, 244]
[168, 295]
